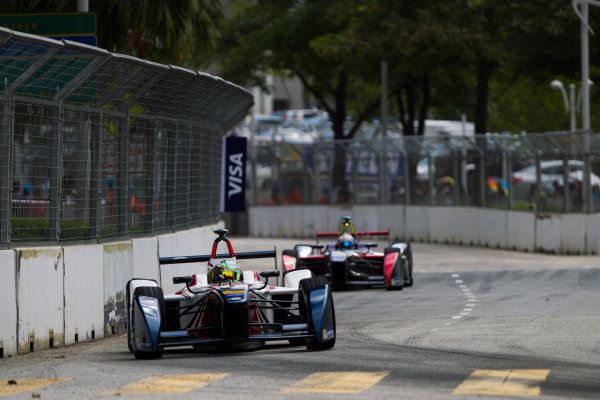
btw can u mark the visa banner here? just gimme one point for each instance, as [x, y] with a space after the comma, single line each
[233, 174]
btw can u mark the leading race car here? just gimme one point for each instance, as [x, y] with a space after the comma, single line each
[348, 262]
[229, 309]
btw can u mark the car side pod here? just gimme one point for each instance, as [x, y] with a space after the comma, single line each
[322, 314]
[392, 269]
[146, 325]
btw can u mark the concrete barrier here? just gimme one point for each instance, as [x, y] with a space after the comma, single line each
[40, 298]
[83, 294]
[504, 229]
[117, 260]
[592, 234]
[547, 233]
[520, 229]
[492, 228]
[145, 258]
[573, 234]
[8, 301]
[52, 296]
[417, 224]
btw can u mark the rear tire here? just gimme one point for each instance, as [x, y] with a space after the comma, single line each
[409, 258]
[305, 286]
[157, 293]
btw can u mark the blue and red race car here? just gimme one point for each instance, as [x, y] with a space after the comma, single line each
[225, 308]
[349, 262]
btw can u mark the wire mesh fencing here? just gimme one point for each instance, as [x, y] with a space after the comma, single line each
[550, 172]
[101, 146]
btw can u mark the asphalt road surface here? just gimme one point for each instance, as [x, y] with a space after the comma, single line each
[478, 323]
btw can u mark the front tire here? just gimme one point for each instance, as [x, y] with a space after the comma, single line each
[305, 287]
[157, 293]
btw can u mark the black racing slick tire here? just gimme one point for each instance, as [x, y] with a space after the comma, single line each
[409, 276]
[304, 288]
[398, 271]
[157, 293]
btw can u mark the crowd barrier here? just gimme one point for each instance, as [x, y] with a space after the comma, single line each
[502, 229]
[56, 296]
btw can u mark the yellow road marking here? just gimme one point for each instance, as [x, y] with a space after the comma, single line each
[168, 384]
[510, 382]
[24, 385]
[336, 382]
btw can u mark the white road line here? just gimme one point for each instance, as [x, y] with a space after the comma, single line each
[454, 275]
[457, 317]
[467, 309]
[459, 281]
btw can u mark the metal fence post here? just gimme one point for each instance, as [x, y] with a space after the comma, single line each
[56, 174]
[171, 184]
[149, 194]
[122, 183]
[6, 175]
[95, 176]
[188, 191]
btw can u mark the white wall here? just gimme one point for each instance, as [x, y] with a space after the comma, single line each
[504, 229]
[8, 300]
[40, 292]
[55, 292]
[84, 291]
[117, 262]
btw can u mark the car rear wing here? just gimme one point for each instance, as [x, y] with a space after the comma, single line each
[206, 257]
[366, 233]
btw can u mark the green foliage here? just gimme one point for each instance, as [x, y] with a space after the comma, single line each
[37, 229]
[166, 31]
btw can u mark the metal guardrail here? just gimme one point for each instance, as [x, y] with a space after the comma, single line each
[96, 145]
[554, 172]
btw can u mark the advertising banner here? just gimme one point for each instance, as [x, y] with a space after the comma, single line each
[233, 174]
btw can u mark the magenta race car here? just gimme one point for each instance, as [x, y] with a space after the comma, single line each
[350, 262]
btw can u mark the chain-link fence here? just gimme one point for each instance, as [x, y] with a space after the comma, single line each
[96, 145]
[554, 172]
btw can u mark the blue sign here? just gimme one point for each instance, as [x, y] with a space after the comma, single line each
[233, 174]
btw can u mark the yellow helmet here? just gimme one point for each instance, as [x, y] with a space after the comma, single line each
[224, 271]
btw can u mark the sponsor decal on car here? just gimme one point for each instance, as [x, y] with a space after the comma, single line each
[143, 343]
[233, 294]
[328, 333]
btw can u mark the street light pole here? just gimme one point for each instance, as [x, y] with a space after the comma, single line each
[585, 28]
[569, 103]
[573, 124]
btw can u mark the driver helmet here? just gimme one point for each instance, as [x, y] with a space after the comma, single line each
[346, 241]
[224, 270]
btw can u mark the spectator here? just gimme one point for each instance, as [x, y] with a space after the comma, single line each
[294, 196]
[343, 194]
[324, 199]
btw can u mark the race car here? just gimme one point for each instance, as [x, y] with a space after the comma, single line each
[228, 309]
[348, 262]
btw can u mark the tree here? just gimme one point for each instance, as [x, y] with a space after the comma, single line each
[303, 39]
[166, 31]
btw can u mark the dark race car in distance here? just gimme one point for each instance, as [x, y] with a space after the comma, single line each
[350, 262]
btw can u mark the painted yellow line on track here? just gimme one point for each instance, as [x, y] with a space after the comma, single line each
[510, 382]
[15, 386]
[336, 382]
[168, 384]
